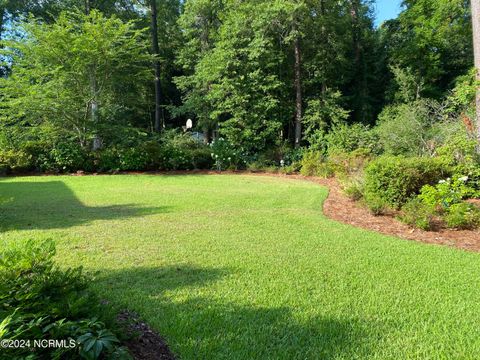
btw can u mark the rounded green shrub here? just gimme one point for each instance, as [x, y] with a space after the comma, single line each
[313, 164]
[394, 180]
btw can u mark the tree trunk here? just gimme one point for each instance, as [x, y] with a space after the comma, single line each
[97, 143]
[156, 65]
[298, 90]
[2, 14]
[476, 46]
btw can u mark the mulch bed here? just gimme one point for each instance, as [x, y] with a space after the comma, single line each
[144, 343]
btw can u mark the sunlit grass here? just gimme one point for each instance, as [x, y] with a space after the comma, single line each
[243, 267]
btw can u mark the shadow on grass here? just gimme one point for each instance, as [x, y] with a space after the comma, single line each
[50, 205]
[199, 327]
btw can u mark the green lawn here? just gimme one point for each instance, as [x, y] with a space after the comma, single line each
[241, 267]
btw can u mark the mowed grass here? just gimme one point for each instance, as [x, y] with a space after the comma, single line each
[243, 267]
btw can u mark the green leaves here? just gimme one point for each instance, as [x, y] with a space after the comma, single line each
[93, 344]
[53, 68]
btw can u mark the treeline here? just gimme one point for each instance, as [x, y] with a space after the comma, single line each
[80, 78]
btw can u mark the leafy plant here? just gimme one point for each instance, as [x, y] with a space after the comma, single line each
[226, 156]
[463, 216]
[39, 301]
[446, 193]
[416, 213]
[314, 164]
[394, 180]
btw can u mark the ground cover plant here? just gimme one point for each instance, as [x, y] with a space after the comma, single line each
[237, 267]
[42, 303]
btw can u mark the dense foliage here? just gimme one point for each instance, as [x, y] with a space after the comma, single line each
[39, 301]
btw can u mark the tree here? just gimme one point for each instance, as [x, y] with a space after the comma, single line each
[252, 66]
[476, 45]
[433, 39]
[199, 23]
[51, 80]
[156, 64]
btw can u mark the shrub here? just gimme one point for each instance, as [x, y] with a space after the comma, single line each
[463, 216]
[416, 213]
[66, 157]
[314, 164]
[15, 161]
[39, 301]
[291, 169]
[353, 186]
[107, 160]
[345, 138]
[446, 193]
[201, 158]
[181, 151]
[348, 164]
[226, 156]
[472, 173]
[393, 180]
[375, 204]
[416, 128]
[145, 156]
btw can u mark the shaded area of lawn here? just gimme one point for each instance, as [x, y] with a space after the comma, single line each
[52, 204]
[231, 331]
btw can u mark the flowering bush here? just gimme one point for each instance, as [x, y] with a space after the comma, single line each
[227, 156]
[443, 202]
[446, 193]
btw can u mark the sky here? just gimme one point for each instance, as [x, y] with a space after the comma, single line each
[386, 10]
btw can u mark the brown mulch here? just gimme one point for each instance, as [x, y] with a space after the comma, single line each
[144, 343]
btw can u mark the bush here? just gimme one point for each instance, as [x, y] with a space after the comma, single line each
[446, 193]
[348, 164]
[416, 213]
[345, 138]
[66, 157]
[394, 180]
[226, 156]
[353, 186]
[39, 301]
[314, 164]
[463, 216]
[107, 160]
[15, 161]
[145, 156]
